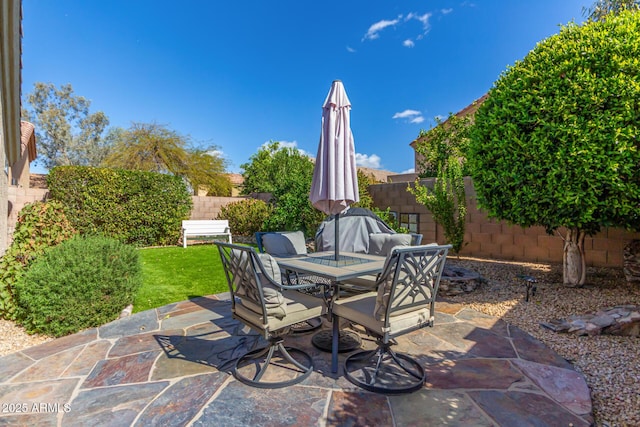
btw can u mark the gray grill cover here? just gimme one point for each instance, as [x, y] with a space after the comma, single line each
[355, 226]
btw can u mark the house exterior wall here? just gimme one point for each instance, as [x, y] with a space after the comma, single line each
[10, 76]
[489, 238]
[19, 172]
[18, 198]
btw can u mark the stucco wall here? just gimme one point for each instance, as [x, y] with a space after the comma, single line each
[488, 238]
[18, 198]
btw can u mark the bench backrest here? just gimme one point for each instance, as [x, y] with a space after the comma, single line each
[220, 225]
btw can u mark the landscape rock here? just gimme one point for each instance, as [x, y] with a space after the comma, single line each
[458, 280]
[621, 320]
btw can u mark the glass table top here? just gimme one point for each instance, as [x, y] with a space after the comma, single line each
[342, 261]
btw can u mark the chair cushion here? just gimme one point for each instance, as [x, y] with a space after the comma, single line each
[300, 307]
[395, 240]
[359, 308]
[382, 243]
[273, 299]
[271, 267]
[285, 243]
[376, 242]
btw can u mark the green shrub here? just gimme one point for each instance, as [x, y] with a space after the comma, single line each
[81, 283]
[139, 208]
[556, 142]
[446, 201]
[246, 216]
[435, 147]
[40, 225]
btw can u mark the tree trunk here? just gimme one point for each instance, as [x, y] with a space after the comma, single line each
[574, 267]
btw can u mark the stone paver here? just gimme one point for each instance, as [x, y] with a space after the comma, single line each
[170, 366]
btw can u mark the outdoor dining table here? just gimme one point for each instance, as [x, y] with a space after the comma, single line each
[323, 264]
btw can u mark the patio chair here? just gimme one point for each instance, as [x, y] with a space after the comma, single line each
[262, 302]
[403, 302]
[381, 244]
[282, 244]
[292, 243]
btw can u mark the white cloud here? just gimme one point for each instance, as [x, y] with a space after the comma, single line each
[406, 113]
[412, 116]
[412, 170]
[374, 29]
[216, 153]
[446, 11]
[366, 161]
[424, 19]
[350, 49]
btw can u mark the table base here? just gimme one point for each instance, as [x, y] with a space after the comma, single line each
[347, 341]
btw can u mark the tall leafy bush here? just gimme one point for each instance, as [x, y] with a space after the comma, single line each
[446, 201]
[138, 208]
[246, 217]
[449, 138]
[556, 144]
[40, 225]
[81, 283]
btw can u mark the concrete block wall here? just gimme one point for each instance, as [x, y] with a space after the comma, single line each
[205, 207]
[489, 238]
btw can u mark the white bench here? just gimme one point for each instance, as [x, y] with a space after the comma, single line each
[207, 227]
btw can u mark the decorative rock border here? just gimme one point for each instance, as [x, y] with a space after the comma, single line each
[619, 320]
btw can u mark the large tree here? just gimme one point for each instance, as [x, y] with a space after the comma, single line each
[286, 173]
[68, 134]
[156, 148]
[602, 8]
[556, 144]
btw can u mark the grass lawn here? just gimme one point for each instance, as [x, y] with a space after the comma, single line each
[175, 274]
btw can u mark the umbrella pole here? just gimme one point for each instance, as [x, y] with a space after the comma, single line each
[336, 240]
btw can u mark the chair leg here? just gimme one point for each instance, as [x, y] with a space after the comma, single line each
[384, 371]
[252, 366]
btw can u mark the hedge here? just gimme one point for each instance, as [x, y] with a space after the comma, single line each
[134, 207]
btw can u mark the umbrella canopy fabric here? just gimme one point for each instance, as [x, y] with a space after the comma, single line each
[335, 180]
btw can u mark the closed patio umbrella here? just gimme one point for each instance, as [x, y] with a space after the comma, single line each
[335, 180]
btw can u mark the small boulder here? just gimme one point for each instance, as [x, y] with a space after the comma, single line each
[622, 320]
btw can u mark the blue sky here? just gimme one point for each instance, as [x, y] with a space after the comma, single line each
[237, 74]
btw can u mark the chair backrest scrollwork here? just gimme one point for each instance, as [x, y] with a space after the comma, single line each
[410, 280]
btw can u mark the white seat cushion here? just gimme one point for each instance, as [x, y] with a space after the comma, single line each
[299, 307]
[360, 308]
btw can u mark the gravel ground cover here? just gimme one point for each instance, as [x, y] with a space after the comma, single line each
[611, 365]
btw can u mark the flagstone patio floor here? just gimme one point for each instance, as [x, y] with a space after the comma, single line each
[171, 367]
